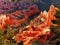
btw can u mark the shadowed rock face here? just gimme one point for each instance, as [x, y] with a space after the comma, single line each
[13, 6]
[45, 4]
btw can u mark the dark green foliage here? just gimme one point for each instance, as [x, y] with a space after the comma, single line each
[55, 29]
[57, 16]
[53, 40]
[20, 43]
[56, 21]
[36, 42]
[6, 36]
[55, 36]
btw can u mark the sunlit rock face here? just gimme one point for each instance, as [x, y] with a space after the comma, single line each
[42, 29]
[2, 21]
